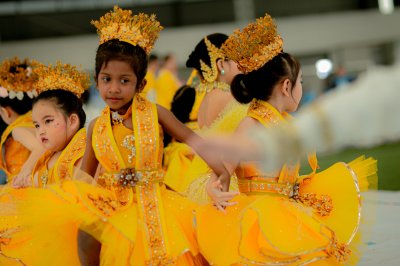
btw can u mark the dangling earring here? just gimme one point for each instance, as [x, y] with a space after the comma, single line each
[222, 72]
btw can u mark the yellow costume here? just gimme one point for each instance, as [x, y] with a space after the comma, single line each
[64, 166]
[166, 86]
[30, 225]
[285, 219]
[20, 243]
[137, 220]
[137, 211]
[187, 173]
[15, 154]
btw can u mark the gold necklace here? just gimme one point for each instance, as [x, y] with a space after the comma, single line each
[209, 86]
[117, 119]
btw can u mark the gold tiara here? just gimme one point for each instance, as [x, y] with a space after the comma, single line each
[210, 74]
[141, 29]
[255, 45]
[13, 85]
[64, 77]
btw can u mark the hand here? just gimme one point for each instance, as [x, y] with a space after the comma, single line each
[219, 198]
[22, 180]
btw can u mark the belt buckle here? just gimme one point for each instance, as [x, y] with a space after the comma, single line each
[127, 177]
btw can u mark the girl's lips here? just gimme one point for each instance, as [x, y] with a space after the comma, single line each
[114, 99]
[44, 140]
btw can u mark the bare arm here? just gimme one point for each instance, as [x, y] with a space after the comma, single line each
[89, 162]
[26, 136]
[183, 134]
[217, 187]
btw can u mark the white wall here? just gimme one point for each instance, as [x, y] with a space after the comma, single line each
[302, 35]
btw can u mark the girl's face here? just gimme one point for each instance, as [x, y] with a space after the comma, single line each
[297, 92]
[52, 127]
[117, 84]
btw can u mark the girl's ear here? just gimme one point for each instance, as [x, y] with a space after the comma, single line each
[286, 87]
[141, 86]
[220, 64]
[74, 121]
[5, 111]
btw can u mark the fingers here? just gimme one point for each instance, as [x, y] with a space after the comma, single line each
[21, 182]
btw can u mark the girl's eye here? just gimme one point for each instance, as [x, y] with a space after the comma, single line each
[105, 79]
[36, 126]
[123, 81]
[47, 121]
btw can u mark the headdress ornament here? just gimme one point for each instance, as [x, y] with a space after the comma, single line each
[141, 29]
[210, 74]
[255, 45]
[64, 77]
[13, 84]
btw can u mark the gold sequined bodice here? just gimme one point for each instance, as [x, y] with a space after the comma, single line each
[125, 139]
[250, 177]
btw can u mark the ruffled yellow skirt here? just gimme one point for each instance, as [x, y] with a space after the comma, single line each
[45, 231]
[318, 227]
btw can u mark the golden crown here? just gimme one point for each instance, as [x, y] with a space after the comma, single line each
[140, 29]
[210, 74]
[64, 77]
[255, 45]
[13, 85]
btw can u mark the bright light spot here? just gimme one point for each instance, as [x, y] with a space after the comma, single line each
[386, 6]
[324, 68]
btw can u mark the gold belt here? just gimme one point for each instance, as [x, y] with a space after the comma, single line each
[250, 186]
[130, 177]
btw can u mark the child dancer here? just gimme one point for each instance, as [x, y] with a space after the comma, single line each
[59, 119]
[151, 224]
[219, 112]
[280, 218]
[20, 148]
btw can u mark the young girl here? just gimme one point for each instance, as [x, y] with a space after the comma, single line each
[152, 225]
[59, 121]
[280, 217]
[219, 112]
[20, 148]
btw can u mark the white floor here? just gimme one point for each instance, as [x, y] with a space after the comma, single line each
[383, 246]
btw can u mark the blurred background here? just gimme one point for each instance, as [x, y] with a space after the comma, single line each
[335, 40]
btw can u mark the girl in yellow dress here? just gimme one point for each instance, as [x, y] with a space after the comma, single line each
[280, 218]
[218, 112]
[20, 148]
[136, 219]
[59, 120]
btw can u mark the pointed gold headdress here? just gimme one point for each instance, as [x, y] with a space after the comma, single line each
[141, 29]
[255, 45]
[13, 85]
[62, 76]
[210, 74]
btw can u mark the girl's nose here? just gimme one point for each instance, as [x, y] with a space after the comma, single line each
[114, 87]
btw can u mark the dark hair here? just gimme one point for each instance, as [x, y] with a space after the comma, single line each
[200, 52]
[19, 106]
[181, 106]
[260, 83]
[153, 57]
[66, 101]
[115, 49]
[183, 102]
